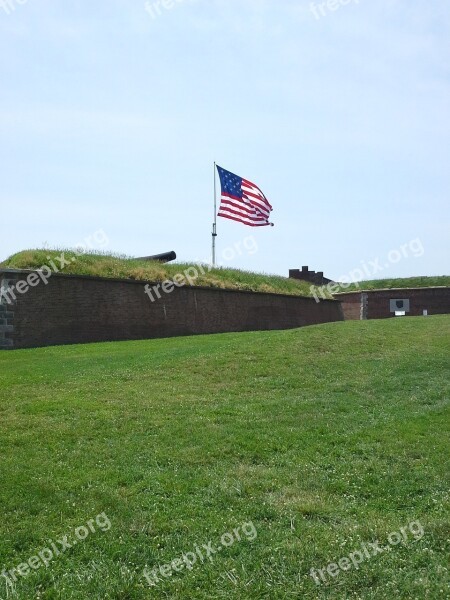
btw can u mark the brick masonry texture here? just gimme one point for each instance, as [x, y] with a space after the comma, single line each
[377, 302]
[7, 311]
[79, 309]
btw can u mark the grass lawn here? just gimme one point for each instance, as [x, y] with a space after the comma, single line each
[299, 446]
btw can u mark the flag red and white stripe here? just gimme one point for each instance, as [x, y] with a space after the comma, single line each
[243, 201]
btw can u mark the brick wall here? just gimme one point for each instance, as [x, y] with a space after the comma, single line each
[436, 300]
[351, 306]
[7, 311]
[310, 276]
[76, 309]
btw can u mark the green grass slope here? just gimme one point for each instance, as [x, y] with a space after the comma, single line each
[323, 438]
[118, 266]
[406, 282]
[107, 265]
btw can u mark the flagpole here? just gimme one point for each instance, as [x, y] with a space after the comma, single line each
[214, 230]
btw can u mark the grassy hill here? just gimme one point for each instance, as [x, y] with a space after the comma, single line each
[400, 283]
[308, 443]
[118, 266]
[107, 265]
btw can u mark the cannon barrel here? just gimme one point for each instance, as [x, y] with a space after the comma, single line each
[163, 258]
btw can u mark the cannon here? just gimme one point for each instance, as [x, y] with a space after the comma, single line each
[165, 257]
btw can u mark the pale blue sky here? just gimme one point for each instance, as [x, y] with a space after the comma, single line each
[111, 119]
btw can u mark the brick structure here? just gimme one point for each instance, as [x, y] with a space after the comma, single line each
[73, 309]
[7, 310]
[310, 276]
[376, 304]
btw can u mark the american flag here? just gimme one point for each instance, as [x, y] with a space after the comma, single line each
[243, 201]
